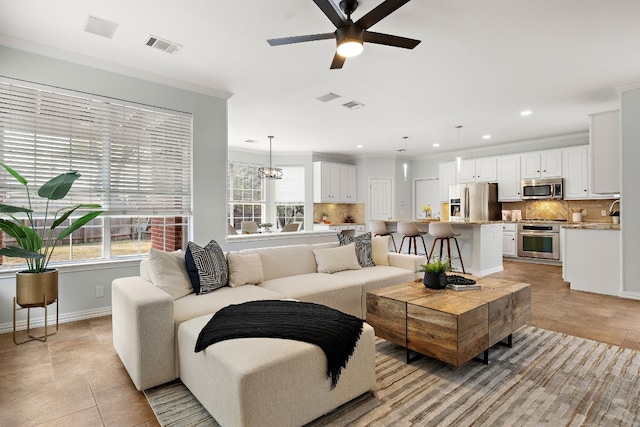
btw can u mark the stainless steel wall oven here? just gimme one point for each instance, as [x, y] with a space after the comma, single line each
[539, 240]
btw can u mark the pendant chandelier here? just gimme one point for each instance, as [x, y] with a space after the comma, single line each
[270, 172]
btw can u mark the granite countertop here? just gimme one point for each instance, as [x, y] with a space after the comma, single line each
[592, 226]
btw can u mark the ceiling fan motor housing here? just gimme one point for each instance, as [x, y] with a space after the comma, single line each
[350, 32]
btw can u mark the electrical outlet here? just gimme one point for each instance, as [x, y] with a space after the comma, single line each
[603, 212]
[99, 291]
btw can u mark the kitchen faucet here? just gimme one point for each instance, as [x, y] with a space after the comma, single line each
[614, 202]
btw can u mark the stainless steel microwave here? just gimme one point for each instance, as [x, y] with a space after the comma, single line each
[541, 189]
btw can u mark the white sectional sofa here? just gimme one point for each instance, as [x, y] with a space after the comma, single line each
[146, 318]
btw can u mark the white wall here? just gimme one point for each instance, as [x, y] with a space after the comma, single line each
[630, 196]
[77, 287]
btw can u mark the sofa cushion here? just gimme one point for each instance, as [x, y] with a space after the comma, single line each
[283, 261]
[194, 305]
[363, 247]
[207, 267]
[337, 259]
[380, 250]
[328, 289]
[244, 269]
[168, 272]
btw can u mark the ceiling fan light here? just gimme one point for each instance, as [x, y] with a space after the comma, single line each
[350, 47]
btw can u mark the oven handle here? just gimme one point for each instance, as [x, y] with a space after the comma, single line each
[538, 233]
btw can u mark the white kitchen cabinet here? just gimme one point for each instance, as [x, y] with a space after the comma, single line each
[576, 172]
[508, 171]
[447, 175]
[334, 183]
[478, 170]
[541, 164]
[347, 184]
[509, 243]
[604, 146]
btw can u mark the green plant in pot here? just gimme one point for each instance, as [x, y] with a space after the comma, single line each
[35, 243]
[435, 273]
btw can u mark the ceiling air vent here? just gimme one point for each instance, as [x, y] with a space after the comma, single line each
[353, 105]
[328, 97]
[100, 27]
[162, 44]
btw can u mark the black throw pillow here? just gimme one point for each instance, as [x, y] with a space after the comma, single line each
[207, 267]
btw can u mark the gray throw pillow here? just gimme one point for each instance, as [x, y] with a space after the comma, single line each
[363, 248]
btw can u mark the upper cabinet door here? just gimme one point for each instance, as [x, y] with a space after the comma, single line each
[447, 175]
[576, 178]
[551, 164]
[467, 171]
[486, 170]
[509, 178]
[604, 143]
[530, 165]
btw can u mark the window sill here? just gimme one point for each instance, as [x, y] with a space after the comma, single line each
[79, 266]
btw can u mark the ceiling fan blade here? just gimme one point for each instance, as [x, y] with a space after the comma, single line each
[338, 62]
[332, 12]
[389, 40]
[301, 39]
[380, 12]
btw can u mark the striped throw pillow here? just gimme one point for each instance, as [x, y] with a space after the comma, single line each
[207, 267]
[363, 248]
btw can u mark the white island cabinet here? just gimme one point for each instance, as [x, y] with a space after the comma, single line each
[481, 247]
[591, 260]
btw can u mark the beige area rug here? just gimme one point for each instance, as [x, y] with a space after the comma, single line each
[546, 379]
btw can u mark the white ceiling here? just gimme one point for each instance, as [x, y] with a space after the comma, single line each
[479, 64]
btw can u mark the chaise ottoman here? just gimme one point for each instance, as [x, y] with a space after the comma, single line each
[270, 381]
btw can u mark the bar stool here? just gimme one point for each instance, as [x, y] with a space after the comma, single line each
[441, 231]
[410, 230]
[379, 228]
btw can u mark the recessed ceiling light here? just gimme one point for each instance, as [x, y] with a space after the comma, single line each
[486, 136]
[359, 146]
[526, 113]
[435, 145]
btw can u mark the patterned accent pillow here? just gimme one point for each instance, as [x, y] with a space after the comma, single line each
[207, 267]
[363, 247]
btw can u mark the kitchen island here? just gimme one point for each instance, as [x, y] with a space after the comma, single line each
[480, 244]
[592, 258]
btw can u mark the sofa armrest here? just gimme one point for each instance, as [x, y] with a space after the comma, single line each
[143, 331]
[407, 261]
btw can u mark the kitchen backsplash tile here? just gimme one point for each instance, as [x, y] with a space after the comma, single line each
[563, 209]
[338, 212]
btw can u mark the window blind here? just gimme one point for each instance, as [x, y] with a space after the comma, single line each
[133, 159]
[290, 189]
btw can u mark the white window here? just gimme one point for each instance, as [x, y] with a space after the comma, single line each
[133, 159]
[289, 196]
[246, 194]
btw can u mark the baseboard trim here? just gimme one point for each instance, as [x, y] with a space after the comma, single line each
[64, 318]
[631, 295]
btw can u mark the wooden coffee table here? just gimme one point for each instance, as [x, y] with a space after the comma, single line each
[451, 326]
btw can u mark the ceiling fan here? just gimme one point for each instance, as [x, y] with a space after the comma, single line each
[350, 35]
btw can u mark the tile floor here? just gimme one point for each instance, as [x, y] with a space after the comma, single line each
[76, 378]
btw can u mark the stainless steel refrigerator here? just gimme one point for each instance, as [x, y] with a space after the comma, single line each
[474, 202]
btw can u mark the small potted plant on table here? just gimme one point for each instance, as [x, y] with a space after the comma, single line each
[435, 276]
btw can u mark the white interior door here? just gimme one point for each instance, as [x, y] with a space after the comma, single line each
[427, 192]
[381, 198]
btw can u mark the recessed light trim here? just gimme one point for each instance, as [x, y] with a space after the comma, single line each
[435, 145]
[486, 136]
[526, 113]
[359, 146]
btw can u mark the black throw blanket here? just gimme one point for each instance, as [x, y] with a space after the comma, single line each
[335, 332]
